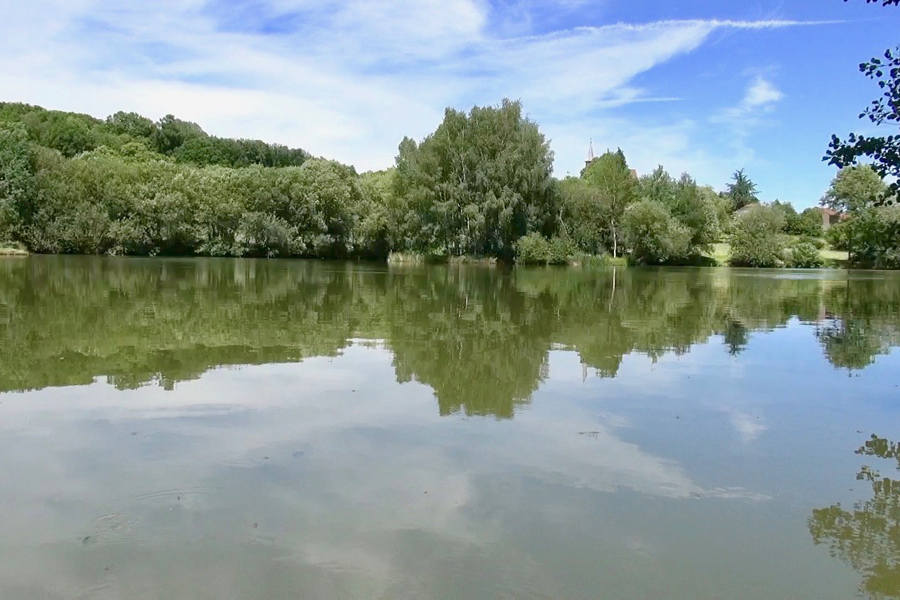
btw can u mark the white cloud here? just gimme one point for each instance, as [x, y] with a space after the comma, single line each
[344, 79]
[761, 93]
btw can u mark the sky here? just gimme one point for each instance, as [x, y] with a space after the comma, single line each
[698, 86]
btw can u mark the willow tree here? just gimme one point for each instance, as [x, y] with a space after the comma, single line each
[478, 183]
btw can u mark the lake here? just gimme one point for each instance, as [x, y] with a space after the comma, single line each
[218, 428]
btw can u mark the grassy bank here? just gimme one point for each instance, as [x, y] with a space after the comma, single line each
[412, 258]
[12, 250]
[721, 253]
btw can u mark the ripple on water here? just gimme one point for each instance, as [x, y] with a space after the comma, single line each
[176, 494]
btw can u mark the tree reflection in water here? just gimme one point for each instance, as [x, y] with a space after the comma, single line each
[867, 537]
[479, 337]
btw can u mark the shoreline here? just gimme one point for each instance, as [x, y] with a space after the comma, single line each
[413, 260]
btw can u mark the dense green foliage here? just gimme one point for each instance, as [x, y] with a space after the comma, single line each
[741, 191]
[804, 255]
[756, 239]
[854, 188]
[660, 220]
[675, 221]
[655, 236]
[480, 185]
[535, 249]
[806, 223]
[477, 184]
[610, 178]
[872, 237]
[870, 231]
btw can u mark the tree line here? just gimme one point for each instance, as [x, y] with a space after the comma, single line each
[480, 185]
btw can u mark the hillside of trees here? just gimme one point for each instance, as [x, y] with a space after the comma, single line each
[480, 185]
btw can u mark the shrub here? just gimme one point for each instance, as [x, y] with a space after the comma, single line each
[535, 249]
[654, 235]
[818, 242]
[838, 236]
[876, 238]
[805, 256]
[559, 251]
[808, 223]
[756, 240]
[532, 249]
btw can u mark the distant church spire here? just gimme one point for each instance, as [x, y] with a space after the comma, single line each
[590, 157]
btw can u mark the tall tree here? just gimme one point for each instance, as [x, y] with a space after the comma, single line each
[16, 178]
[618, 188]
[171, 133]
[478, 183]
[583, 219]
[853, 189]
[741, 191]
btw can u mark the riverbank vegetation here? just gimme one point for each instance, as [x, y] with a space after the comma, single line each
[481, 185]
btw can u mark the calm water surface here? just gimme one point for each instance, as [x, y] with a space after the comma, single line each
[268, 429]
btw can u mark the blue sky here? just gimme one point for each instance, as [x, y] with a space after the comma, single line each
[703, 86]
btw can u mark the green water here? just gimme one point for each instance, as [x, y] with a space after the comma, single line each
[288, 429]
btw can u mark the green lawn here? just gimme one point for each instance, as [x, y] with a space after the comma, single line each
[838, 255]
[11, 251]
[721, 253]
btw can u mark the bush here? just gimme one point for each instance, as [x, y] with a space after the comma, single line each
[876, 238]
[808, 223]
[654, 235]
[532, 249]
[535, 249]
[838, 236]
[559, 251]
[805, 256]
[818, 242]
[756, 239]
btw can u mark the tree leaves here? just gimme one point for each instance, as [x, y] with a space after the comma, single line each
[884, 152]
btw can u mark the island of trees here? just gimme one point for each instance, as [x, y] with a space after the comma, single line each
[480, 185]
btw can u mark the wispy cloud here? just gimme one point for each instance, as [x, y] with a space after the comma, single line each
[760, 99]
[342, 79]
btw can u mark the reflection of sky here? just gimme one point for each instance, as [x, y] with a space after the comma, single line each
[688, 477]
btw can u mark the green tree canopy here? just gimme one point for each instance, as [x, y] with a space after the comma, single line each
[617, 187]
[16, 178]
[854, 188]
[653, 234]
[756, 237]
[478, 183]
[131, 123]
[584, 215]
[741, 191]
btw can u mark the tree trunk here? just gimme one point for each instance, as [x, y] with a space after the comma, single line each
[615, 240]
